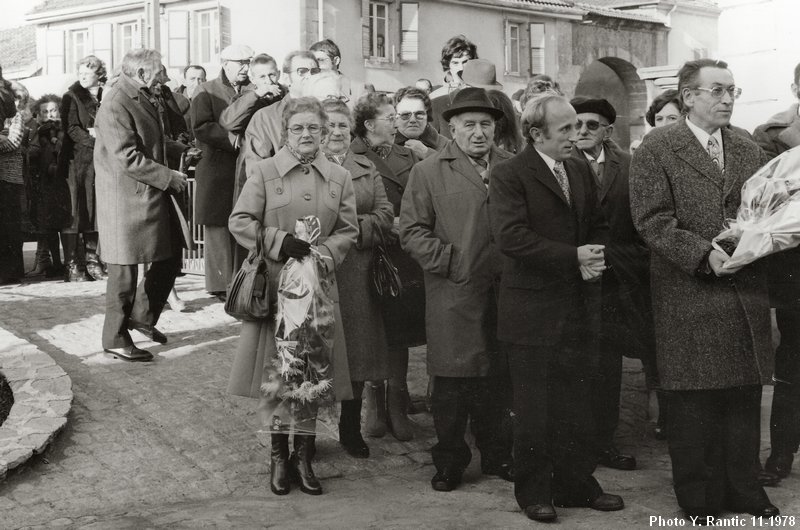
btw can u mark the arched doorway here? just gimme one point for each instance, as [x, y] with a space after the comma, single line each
[616, 80]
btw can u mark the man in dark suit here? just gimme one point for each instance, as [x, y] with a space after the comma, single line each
[626, 326]
[712, 322]
[546, 220]
[781, 133]
[443, 226]
[134, 215]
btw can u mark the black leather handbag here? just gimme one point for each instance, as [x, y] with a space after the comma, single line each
[248, 292]
[385, 277]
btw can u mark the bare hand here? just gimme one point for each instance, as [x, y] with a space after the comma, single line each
[591, 255]
[92, 133]
[716, 260]
[418, 147]
[177, 181]
[262, 89]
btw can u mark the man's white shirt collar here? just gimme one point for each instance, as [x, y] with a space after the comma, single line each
[600, 159]
[547, 160]
[703, 136]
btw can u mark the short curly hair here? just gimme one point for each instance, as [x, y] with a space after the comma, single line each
[412, 92]
[661, 101]
[367, 108]
[298, 105]
[97, 65]
[458, 45]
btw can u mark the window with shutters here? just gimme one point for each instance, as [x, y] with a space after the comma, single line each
[537, 35]
[409, 31]
[127, 39]
[206, 37]
[379, 30]
[77, 48]
[513, 48]
[55, 49]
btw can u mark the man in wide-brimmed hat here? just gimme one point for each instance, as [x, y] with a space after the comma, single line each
[478, 73]
[444, 227]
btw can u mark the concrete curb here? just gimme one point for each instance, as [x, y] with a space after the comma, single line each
[42, 400]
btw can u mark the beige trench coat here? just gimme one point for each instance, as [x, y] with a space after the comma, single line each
[278, 191]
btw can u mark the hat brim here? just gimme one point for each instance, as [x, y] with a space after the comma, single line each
[494, 112]
[494, 86]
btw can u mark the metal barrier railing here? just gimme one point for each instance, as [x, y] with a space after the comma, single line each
[193, 259]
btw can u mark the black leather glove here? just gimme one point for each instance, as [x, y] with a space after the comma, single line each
[295, 248]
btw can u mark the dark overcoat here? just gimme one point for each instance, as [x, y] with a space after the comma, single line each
[543, 299]
[711, 332]
[404, 318]
[279, 191]
[364, 332]
[134, 215]
[627, 308]
[781, 133]
[76, 158]
[444, 226]
[216, 171]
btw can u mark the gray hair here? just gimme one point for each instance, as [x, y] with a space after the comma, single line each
[535, 112]
[146, 59]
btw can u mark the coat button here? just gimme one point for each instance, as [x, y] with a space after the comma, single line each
[304, 169]
[279, 190]
[307, 196]
[333, 193]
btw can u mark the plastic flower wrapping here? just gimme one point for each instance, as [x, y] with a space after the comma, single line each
[304, 335]
[768, 219]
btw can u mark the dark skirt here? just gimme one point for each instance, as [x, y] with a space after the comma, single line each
[12, 266]
[361, 318]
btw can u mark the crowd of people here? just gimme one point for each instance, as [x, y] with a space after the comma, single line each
[533, 253]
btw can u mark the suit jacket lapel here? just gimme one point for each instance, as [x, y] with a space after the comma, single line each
[543, 173]
[576, 184]
[732, 153]
[688, 149]
[461, 165]
[791, 134]
[610, 172]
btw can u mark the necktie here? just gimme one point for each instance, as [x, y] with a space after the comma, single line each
[563, 181]
[484, 172]
[715, 152]
[597, 167]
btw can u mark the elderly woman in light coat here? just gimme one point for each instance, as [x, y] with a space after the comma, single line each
[298, 181]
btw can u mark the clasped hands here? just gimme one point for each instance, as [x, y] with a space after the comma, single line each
[592, 262]
[716, 260]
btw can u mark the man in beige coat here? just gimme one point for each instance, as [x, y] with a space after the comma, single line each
[134, 215]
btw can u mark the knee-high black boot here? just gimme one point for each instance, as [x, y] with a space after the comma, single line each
[301, 465]
[279, 464]
[75, 271]
[350, 425]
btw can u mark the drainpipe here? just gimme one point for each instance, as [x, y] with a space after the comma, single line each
[320, 16]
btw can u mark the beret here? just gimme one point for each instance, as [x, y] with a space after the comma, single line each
[599, 106]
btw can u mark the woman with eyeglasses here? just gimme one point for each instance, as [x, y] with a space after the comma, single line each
[298, 181]
[403, 317]
[367, 355]
[414, 131]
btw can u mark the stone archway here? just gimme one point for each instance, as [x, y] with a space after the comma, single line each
[616, 80]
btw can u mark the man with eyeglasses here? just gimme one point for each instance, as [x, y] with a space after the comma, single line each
[216, 170]
[626, 320]
[781, 133]
[413, 128]
[712, 325]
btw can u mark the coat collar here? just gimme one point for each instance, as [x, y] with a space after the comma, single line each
[285, 162]
[459, 162]
[403, 160]
[429, 138]
[85, 97]
[358, 165]
[686, 146]
[543, 173]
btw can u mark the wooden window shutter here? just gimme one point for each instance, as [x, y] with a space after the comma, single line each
[54, 43]
[224, 19]
[365, 43]
[178, 39]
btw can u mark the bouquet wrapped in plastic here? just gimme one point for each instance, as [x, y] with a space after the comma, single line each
[304, 334]
[768, 220]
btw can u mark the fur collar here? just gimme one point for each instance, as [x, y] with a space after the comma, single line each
[85, 97]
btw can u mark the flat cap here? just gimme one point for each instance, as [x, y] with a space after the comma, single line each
[599, 106]
[236, 52]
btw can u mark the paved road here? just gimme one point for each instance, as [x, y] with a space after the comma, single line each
[162, 444]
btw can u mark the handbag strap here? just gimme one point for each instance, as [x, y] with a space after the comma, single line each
[260, 242]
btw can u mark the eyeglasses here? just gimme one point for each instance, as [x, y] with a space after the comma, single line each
[389, 118]
[592, 125]
[298, 129]
[718, 91]
[303, 71]
[334, 97]
[419, 115]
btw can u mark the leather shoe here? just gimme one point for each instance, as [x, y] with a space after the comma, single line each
[149, 331]
[779, 463]
[446, 480]
[765, 478]
[762, 510]
[606, 502]
[611, 457]
[130, 353]
[504, 470]
[541, 512]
